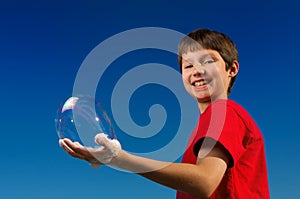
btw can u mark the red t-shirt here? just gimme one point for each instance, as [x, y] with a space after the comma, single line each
[228, 123]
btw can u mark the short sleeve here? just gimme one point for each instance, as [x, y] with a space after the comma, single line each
[222, 124]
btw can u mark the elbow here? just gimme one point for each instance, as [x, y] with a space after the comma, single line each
[205, 188]
[209, 189]
[207, 194]
[204, 193]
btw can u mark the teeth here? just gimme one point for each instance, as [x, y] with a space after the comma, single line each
[200, 83]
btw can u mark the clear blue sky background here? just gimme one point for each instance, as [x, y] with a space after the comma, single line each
[43, 43]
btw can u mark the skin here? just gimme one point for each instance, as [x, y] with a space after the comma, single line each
[206, 65]
[200, 179]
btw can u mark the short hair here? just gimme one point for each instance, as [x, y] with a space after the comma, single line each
[210, 39]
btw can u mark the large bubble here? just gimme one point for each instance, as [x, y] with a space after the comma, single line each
[81, 118]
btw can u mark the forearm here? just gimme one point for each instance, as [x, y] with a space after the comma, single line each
[199, 179]
[184, 177]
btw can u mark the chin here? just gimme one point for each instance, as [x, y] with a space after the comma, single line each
[204, 99]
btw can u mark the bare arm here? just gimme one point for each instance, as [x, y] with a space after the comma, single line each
[199, 179]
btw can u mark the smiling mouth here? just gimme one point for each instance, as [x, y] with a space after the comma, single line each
[200, 83]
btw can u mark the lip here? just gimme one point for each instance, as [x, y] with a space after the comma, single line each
[202, 87]
[199, 80]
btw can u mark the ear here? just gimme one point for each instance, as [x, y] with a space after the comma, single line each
[233, 71]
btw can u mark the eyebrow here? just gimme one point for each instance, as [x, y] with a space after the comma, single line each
[207, 55]
[203, 56]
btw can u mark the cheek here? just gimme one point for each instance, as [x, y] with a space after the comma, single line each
[221, 79]
[214, 73]
[219, 73]
[186, 84]
[217, 80]
[185, 81]
[185, 77]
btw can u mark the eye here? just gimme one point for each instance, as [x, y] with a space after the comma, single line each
[188, 66]
[208, 61]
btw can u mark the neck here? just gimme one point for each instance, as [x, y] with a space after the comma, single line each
[203, 105]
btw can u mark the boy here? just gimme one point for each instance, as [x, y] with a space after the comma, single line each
[225, 157]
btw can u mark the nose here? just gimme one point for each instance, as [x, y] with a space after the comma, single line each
[198, 71]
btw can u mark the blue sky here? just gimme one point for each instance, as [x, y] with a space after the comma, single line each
[43, 44]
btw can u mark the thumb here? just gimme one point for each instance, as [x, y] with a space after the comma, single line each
[102, 139]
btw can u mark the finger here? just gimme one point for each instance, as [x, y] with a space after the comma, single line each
[95, 166]
[64, 141]
[64, 145]
[74, 149]
[69, 150]
[101, 139]
[112, 145]
[75, 146]
[60, 142]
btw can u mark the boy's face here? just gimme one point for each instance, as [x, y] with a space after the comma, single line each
[204, 75]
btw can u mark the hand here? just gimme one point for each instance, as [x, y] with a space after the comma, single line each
[108, 150]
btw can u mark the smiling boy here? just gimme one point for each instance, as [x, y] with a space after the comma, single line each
[209, 68]
[225, 157]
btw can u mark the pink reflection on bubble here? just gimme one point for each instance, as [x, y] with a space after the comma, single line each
[69, 104]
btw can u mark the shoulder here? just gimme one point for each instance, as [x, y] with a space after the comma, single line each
[229, 109]
[221, 110]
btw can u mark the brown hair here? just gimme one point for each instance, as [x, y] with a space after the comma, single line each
[210, 39]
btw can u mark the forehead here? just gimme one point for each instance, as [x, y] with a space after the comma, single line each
[200, 54]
